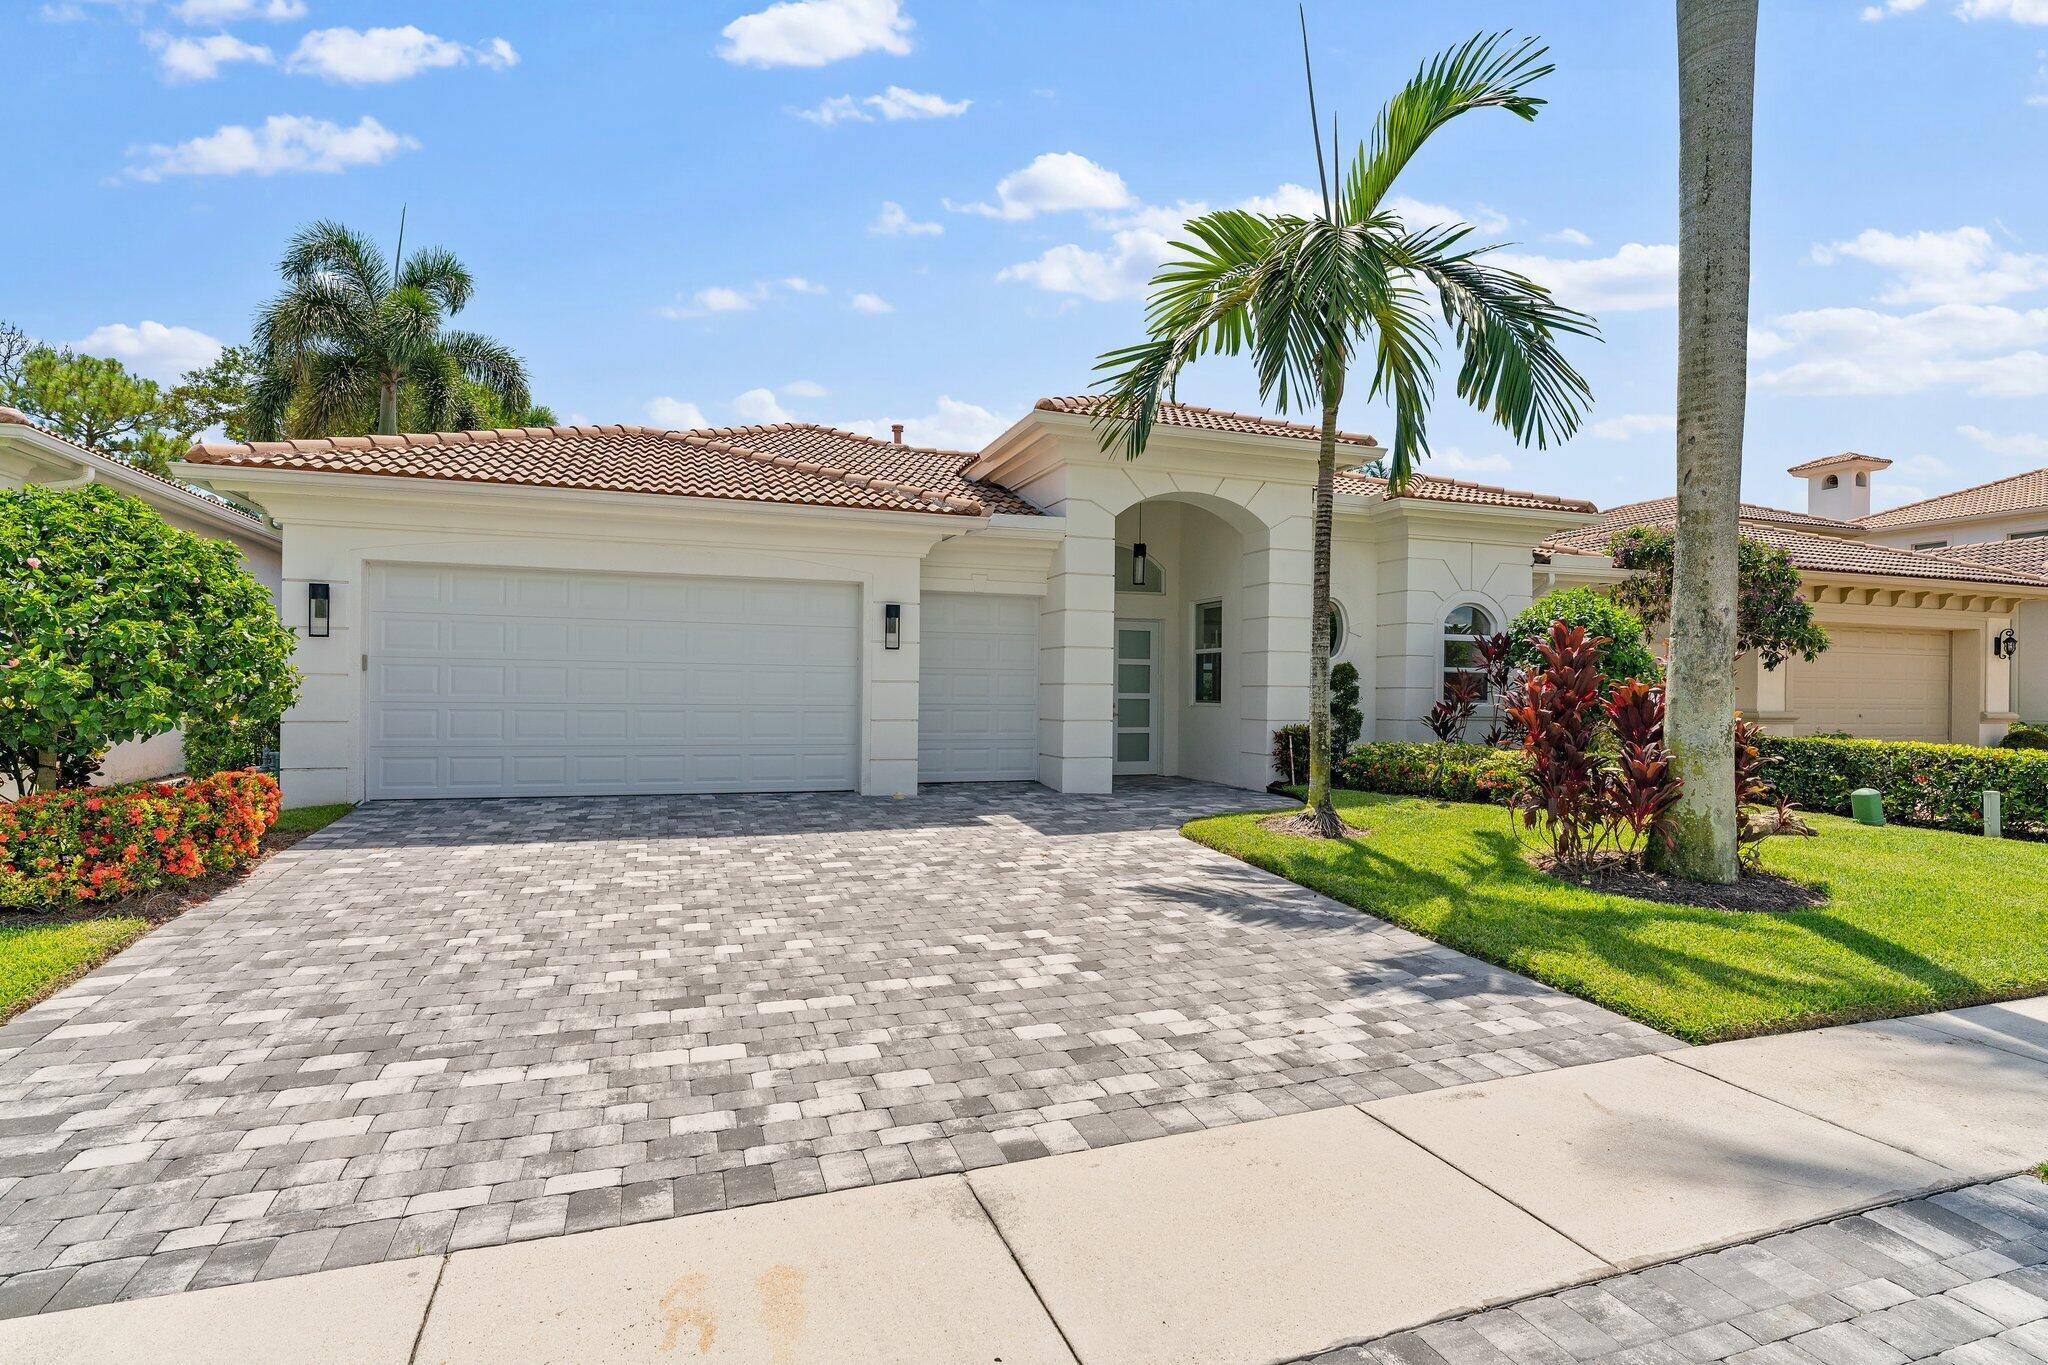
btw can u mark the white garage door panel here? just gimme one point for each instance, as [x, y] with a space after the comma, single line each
[488, 682]
[978, 689]
[1876, 684]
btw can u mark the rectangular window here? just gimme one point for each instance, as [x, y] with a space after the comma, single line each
[2026, 535]
[1931, 545]
[1209, 652]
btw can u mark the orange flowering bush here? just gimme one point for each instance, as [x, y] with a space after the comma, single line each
[97, 844]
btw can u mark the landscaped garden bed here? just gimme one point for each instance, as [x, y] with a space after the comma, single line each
[1915, 919]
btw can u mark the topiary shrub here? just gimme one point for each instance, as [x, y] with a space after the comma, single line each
[1628, 653]
[63, 848]
[1347, 722]
[2024, 736]
[115, 626]
[1939, 785]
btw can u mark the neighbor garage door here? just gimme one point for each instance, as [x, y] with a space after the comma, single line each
[977, 710]
[496, 682]
[1875, 684]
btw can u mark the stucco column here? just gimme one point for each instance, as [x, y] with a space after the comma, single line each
[889, 697]
[1273, 659]
[1075, 645]
[321, 737]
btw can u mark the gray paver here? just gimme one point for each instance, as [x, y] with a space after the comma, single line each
[1982, 1312]
[439, 1025]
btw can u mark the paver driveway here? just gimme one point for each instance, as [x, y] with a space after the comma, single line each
[450, 1024]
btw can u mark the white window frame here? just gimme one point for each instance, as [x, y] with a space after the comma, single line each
[1340, 628]
[1445, 639]
[1202, 651]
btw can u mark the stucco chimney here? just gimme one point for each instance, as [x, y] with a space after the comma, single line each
[896, 432]
[1838, 486]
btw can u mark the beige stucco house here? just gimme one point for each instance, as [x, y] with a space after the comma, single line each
[31, 455]
[612, 609]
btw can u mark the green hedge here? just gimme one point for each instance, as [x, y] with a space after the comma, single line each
[1453, 772]
[1941, 785]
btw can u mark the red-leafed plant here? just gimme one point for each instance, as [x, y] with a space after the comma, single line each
[1641, 786]
[1559, 712]
[1497, 653]
[1448, 718]
[1760, 811]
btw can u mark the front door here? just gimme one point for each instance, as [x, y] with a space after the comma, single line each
[1137, 697]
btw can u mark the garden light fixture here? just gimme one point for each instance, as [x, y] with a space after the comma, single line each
[892, 625]
[317, 615]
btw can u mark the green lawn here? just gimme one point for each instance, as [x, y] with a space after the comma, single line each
[306, 819]
[1918, 919]
[35, 959]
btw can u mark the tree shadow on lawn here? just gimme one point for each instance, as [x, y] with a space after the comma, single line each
[1624, 953]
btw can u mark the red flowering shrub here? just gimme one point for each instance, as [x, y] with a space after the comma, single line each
[98, 844]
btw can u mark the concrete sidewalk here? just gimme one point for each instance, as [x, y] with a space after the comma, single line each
[1265, 1241]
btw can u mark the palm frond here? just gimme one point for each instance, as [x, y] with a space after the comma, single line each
[1404, 372]
[270, 401]
[314, 313]
[1481, 73]
[490, 363]
[408, 324]
[437, 273]
[331, 248]
[334, 394]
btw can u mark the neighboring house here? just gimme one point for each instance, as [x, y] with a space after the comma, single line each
[1912, 618]
[31, 455]
[616, 609]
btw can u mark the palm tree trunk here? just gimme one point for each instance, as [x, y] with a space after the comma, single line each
[1321, 809]
[387, 406]
[1716, 102]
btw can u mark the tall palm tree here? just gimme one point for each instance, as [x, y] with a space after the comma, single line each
[1306, 295]
[1716, 101]
[350, 333]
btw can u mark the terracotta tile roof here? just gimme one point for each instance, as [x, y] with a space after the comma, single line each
[1664, 511]
[1806, 549]
[2028, 554]
[1207, 419]
[624, 459]
[1843, 460]
[2026, 492]
[1429, 488]
[13, 417]
[939, 471]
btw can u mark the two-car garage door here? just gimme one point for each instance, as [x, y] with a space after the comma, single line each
[502, 682]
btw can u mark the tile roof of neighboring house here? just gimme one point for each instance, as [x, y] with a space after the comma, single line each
[832, 470]
[13, 417]
[1429, 488]
[1207, 419]
[1847, 457]
[2026, 492]
[1664, 511]
[2029, 554]
[1806, 549]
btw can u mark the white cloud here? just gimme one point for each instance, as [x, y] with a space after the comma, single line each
[378, 56]
[954, 425]
[1056, 182]
[892, 104]
[676, 415]
[284, 143]
[2019, 11]
[151, 349]
[1628, 426]
[726, 298]
[816, 32]
[224, 11]
[892, 221]
[1417, 213]
[797, 284]
[200, 59]
[1963, 265]
[1568, 237]
[1983, 349]
[1873, 13]
[758, 407]
[870, 303]
[1453, 460]
[2014, 445]
[1290, 198]
[1119, 271]
[1635, 278]
[804, 388]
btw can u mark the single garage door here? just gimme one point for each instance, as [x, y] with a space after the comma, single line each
[505, 682]
[1875, 684]
[977, 709]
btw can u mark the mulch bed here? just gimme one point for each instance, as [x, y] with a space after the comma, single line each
[158, 906]
[1754, 890]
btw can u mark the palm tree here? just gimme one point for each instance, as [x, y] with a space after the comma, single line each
[1306, 295]
[349, 336]
[1716, 101]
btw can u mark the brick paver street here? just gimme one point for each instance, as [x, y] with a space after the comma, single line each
[1960, 1277]
[450, 1024]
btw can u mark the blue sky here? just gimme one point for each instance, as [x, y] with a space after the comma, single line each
[936, 211]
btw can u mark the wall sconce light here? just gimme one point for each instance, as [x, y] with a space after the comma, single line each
[892, 625]
[2005, 644]
[1138, 564]
[317, 614]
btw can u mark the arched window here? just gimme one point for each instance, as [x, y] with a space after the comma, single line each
[1338, 629]
[1831, 481]
[1155, 577]
[1464, 628]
